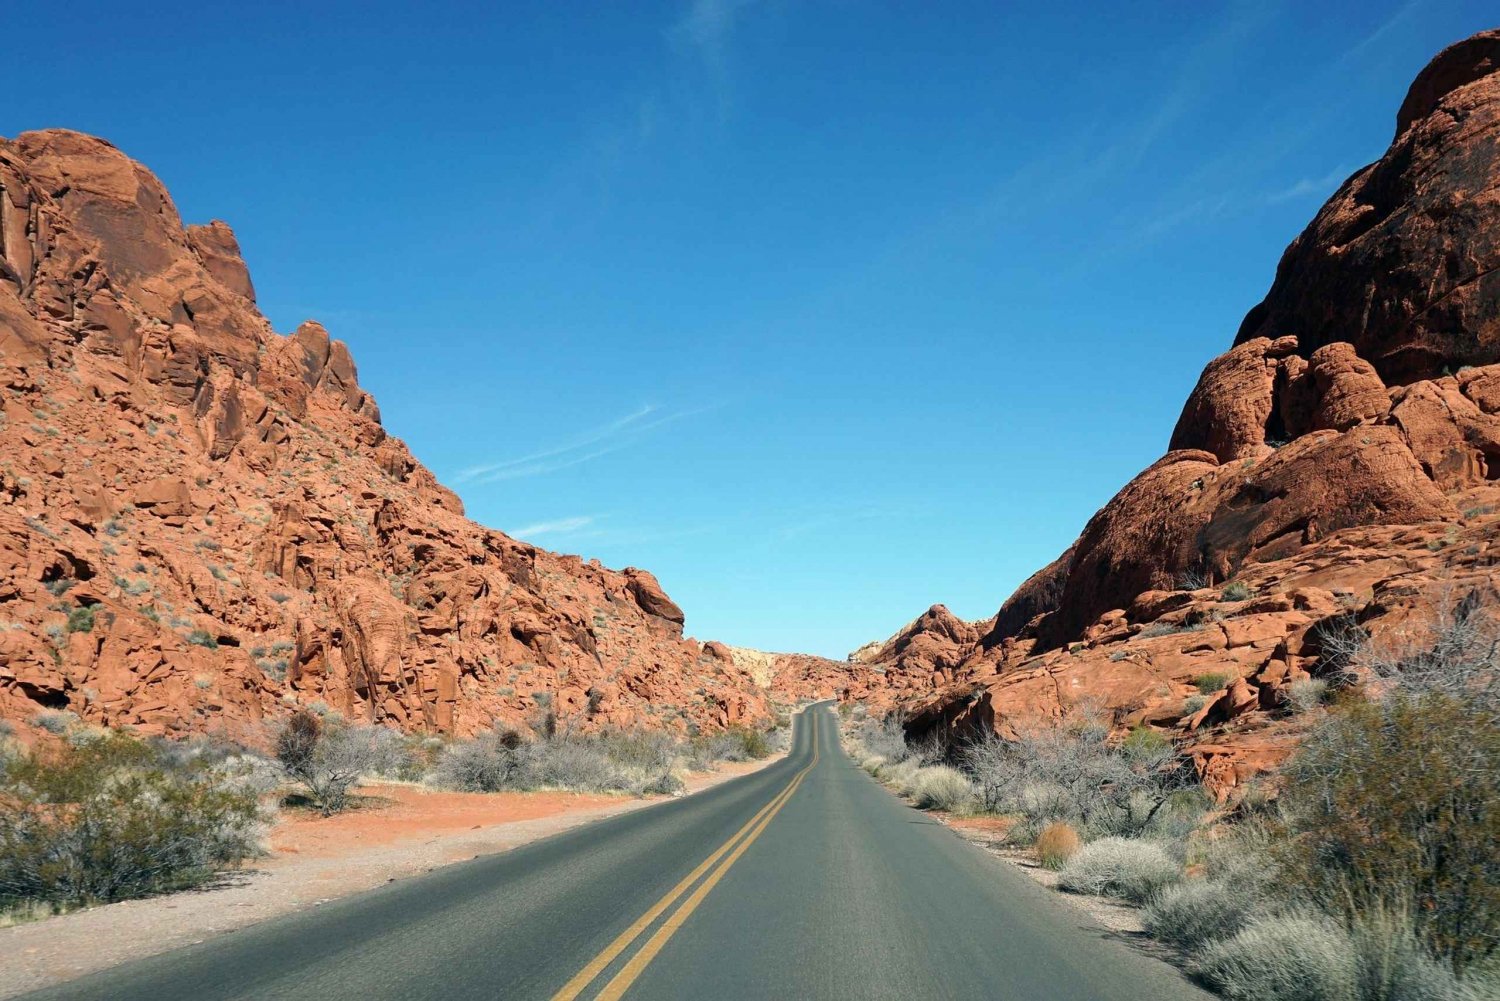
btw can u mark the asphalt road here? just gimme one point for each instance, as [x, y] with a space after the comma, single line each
[805, 880]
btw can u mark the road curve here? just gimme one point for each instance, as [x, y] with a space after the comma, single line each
[805, 880]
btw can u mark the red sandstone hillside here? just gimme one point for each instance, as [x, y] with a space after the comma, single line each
[203, 523]
[1341, 461]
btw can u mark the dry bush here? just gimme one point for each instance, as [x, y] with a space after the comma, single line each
[1284, 957]
[327, 759]
[1306, 694]
[116, 818]
[886, 738]
[1070, 772]
[942, 787]
[1057, 843]
[487, 763]
[1120, 867]
[1197, 911]
[614, 761]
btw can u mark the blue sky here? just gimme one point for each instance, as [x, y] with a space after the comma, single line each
[822, 311]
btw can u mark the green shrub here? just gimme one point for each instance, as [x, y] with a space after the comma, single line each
[1120, 867]
[81, 619]
[115, 818]
[1236, 590]
[203, 638]
[1207, 684]
[1394, 806]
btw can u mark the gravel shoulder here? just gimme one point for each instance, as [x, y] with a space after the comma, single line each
[403, 831]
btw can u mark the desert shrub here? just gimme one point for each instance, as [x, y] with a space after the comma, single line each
[203, 638]
[635, 762]
[54, 720]
[734, 744]
[488, 763]
[646, 750]
[115, 819]
[886, 738]
[1056, 845]
[1392, 965]
[942, 787]
[1236, 590]
[328, 758]
[1207, 684]
[1193, 703]
[1120, 867]
[899, 775]
[1395, 805]
[1197, 911]
[1284, 957]
[1070, 772]
[567, 762]
[81, 619]
[1306, 694]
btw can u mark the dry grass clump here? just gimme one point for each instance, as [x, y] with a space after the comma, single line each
[1120, 867]
[1282, 957]
[1057, 843]
[942, 787]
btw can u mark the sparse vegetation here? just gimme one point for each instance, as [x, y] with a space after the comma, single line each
[81, 619]
[203, 638]
[1281, 958]
[1236, 590]
[637, 762]
[327, 758]
[1197, 911]
[113, 818]
[942, 787]
[1129, 868]
[1071, 772]
[1207, 684]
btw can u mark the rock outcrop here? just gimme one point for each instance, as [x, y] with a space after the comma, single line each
[1340, 463]
[204, 524]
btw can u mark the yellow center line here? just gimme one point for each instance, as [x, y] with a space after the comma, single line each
[573, 988]
[643, 957]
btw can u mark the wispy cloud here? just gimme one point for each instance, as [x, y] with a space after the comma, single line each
[1307, 186]
[585, 447]
[706, 25]
[559, 526]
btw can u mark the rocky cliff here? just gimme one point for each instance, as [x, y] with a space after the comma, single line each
[1340, 463]
[203, 522]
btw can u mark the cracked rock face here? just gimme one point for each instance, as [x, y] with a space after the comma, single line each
[247, 534]
[1340, 461]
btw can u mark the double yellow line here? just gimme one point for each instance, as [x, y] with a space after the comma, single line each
[723, 857]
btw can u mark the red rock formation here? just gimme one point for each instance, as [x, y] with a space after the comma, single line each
[247, 534]
[1404, 261]
[1342, 459]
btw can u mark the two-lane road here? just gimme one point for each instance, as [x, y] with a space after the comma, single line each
[805, 880]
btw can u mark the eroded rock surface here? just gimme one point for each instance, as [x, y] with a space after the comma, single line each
[1340, 463]
[203, 522]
